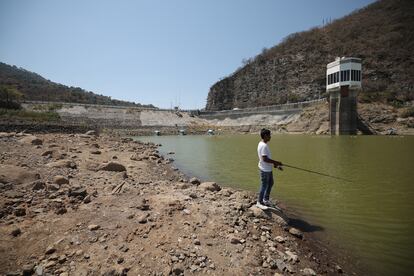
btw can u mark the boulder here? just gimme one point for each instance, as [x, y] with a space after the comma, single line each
[295, 232]
[32, 140]
[38, 185]
[17, 175]
[60, 180]
[257, 212]
[50, 249]
[136, 157]
[178, 269]
[7, 134]
[78, 192]
[210, 186]
[93, 227]
[15, 232]
[46, 153]
[53, 187]
[292, 257]
[280, 239]
[20, 212]
[62, 164]
[91, 132]
[308, 272]
[112, 166]
[235, 240]
[195, 181]
[182, 186]
[142, 218]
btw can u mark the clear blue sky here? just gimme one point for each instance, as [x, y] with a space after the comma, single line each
[151, 52]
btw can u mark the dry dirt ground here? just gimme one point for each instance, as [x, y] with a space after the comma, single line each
[82, 204]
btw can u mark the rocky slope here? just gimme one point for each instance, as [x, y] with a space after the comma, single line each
[381, 34]
[86, 205]
[378, 117]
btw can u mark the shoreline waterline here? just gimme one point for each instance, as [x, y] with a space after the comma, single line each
[354, 218]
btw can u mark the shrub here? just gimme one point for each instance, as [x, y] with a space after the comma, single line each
[29, 115]
[407, 112]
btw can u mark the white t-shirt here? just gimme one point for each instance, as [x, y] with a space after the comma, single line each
[263, 149]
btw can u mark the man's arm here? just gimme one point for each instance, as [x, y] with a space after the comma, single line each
[274, 162]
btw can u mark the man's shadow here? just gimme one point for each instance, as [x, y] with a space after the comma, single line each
[297, 223]
[304, 226]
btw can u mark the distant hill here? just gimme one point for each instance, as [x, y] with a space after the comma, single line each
[36, 88]
[382, 34]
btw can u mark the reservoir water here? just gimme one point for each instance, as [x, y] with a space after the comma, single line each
[371, 218]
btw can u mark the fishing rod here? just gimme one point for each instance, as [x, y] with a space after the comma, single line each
[301, 169]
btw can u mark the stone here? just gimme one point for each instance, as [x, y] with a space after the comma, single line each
[197, 242]
[142, 218]
[61, 211]
[280, 239]
[20, 212]
[17, 175]
[27, 269]
[91, 132]
[178, 269]
[78, 192]
[53, 187]
[257, 212]
[210, 186]
[95, 152]
[93, 227]
[62, 259]
[38, 185]
[60, 180]
[194, 181]
[112, 166]
[226, 192]
[308, 272]
[87, 199]
[120, 260]
[338, 269]
[46, 153]
[31, 139]
[235, 240]
[50, 264]
[39, 270]
[182, 186]
[291, 257]
[295, 232]
[50, 249]
[15, 231]
[62, 164]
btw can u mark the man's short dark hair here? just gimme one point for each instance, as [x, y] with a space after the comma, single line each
[264, 132]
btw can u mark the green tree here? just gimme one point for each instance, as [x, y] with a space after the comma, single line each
[10, 97]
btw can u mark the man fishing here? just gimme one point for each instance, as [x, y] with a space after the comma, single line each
[266, 164]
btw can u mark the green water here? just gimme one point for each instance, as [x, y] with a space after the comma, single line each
[371, 218]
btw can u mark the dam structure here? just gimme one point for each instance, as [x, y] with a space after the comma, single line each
[343, 82]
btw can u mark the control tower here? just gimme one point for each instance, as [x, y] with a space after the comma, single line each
[343, 81]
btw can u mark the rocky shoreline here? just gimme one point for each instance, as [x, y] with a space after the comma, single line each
[83, 204]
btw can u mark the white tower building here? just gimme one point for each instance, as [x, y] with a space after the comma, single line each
[343, 81]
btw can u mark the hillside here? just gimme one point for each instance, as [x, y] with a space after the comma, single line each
[381, 34]
[36, 88]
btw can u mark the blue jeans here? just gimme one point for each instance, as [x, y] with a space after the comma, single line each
[266, 180]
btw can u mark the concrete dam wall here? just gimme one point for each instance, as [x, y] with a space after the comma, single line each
[120, 117]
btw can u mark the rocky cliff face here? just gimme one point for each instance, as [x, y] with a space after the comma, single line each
[381, 34]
